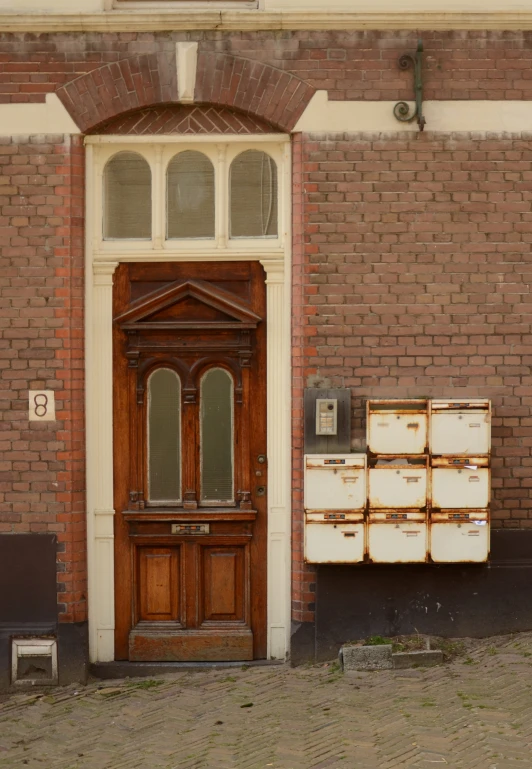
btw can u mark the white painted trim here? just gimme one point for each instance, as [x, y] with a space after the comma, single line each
[258, 20]
[48, 117]
[322, 115]
[189, 139]
[100, 268]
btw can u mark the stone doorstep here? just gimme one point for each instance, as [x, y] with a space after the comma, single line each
[381, 657]
[124, 669]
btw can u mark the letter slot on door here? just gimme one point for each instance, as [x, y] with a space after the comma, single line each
[334, 498]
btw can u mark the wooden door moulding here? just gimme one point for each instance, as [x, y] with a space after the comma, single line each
[199, 516]
[144, 313]
[189, 324]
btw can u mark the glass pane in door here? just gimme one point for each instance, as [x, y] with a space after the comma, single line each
[217, 437]
[164, 437]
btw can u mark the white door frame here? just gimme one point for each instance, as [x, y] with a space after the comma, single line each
[101, 260]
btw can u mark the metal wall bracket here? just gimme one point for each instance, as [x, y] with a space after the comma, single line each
[401, 110]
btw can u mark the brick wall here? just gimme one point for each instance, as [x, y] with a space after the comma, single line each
[351, 65]
[417, 275]
[410, 254]
[41, 347]
[415, 282]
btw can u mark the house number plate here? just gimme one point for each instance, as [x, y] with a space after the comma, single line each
[190, 528]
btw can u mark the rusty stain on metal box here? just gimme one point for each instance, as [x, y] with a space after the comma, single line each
[397, 427]
[399, 483]
[331, 486]
[398, 542]
[458, 427]
[334, 542]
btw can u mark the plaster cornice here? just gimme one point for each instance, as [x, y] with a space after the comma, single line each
[256, 20]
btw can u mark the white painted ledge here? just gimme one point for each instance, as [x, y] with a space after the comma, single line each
[320, 116]
[49, 117]
[133, 20]
[324, 116]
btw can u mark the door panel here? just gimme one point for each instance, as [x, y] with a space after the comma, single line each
[159, 583]
[224, 584]
[190, 574]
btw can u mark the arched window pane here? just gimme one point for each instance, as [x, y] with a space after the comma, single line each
[164, 436]
[217, 436]
[190, 196]
[127, 197]
[253, 190]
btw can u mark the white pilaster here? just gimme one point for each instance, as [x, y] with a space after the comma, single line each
[158, 196]
[100, 512]
[279, 460]
[222, 197]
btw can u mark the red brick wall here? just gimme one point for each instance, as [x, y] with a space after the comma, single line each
[351, 65]
[303, 576]
[414, 281]
[41, 347]
[410, 255]
[417, 281]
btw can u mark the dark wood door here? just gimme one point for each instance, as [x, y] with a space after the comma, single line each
[190, 461]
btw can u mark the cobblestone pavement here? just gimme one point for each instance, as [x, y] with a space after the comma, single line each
[473, 712]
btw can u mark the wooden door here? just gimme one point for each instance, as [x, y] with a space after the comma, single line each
[190, 461]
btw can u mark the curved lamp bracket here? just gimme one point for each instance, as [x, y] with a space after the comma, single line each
[401, 110]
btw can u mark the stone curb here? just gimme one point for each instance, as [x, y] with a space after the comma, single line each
[427, 659]
[381, 658]
[366, 657]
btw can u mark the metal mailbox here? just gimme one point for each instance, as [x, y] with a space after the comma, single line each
[460, 427]
[335, 482]
[460, 537]
[395, 537]
[334, 537]
[460, 482]
[398, 483]
[397, 427]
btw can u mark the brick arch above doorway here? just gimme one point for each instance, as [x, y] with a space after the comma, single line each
[171, 119]
[150, 80]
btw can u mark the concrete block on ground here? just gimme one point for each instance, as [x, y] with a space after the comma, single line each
[426, 659]
[367, 657]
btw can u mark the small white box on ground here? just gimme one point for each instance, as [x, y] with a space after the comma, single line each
[34, 661]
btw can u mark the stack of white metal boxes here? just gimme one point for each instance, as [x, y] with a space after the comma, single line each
[420, 493]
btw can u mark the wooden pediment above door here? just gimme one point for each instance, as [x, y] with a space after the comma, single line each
[189, 304]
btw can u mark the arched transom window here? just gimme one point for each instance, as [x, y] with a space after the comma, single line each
[192, 195]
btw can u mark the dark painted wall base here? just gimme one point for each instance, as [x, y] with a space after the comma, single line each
[28, 605]
[354, 602]
[73, 652]
[72, 649]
